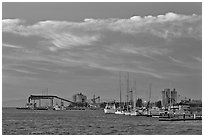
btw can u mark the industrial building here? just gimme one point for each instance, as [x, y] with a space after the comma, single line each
[169, 98]
[79, 98]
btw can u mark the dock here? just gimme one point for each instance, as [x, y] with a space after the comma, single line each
[180, 119]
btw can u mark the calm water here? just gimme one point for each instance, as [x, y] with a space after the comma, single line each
[90, 122]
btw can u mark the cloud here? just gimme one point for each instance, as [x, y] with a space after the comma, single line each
[110, 44]
[10, 46]
[67, 40]
[190, 65]
[11, 25]
[165, 26]
[128, 70]
[56, 32]
[198, 59]
[146, 51]
[20, 70]
[176, 60]
[168, 25]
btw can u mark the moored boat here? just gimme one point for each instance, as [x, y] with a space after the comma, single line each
[127, 113]
[110, 109]
[119, 112]
[26, 108]
[133, 113]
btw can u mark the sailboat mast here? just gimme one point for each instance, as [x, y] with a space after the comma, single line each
[127, 86]
[135, 98]
[150, 86]
[170, 99]
[120, 88]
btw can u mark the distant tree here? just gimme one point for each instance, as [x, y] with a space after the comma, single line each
[139, 102]
[148, 104]
[103, 104]
[158, 104]
[117, 104]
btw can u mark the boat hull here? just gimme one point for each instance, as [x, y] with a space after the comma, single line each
[109, 111]
[25, 108]
[119, 113]
[133, 114]
[127, 113]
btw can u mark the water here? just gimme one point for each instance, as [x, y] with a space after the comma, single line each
[90, 122]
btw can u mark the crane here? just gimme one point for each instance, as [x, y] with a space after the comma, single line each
[95, 98]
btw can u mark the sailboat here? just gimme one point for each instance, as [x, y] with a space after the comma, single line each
[134, 111]
[148, 108]
[120, 111]
[110, 108]
[128, 106]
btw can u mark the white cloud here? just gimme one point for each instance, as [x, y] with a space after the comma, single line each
[176, 60]
[127, 70]
[99, 42]
[145, 51]
[67, 40]
[9, 67]
[198, 59]
[190, 65]
[162, 26]
[10, 46]
[11, 25]
[56, 32]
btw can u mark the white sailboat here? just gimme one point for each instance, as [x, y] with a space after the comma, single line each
[134, 111]
[131, 108]
[110, 109]
[148, 112]
[127, 113]
[119, 111]
[128, 105]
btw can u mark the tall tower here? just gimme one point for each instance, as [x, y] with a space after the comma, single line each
[169, 98]
[166, 97]
[173, 97]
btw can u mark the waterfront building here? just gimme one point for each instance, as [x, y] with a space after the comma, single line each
[79, 98]
[191, 106]
[169, 98]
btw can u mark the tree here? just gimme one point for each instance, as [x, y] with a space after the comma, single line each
[103, 104]
[139, 102]
[158, 104]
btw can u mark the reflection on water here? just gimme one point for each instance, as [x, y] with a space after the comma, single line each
[90, 122]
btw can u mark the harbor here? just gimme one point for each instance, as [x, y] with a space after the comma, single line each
[102, 68]
[81, 114]
[169, 108]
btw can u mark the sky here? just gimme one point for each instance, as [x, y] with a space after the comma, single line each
[70, 48]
